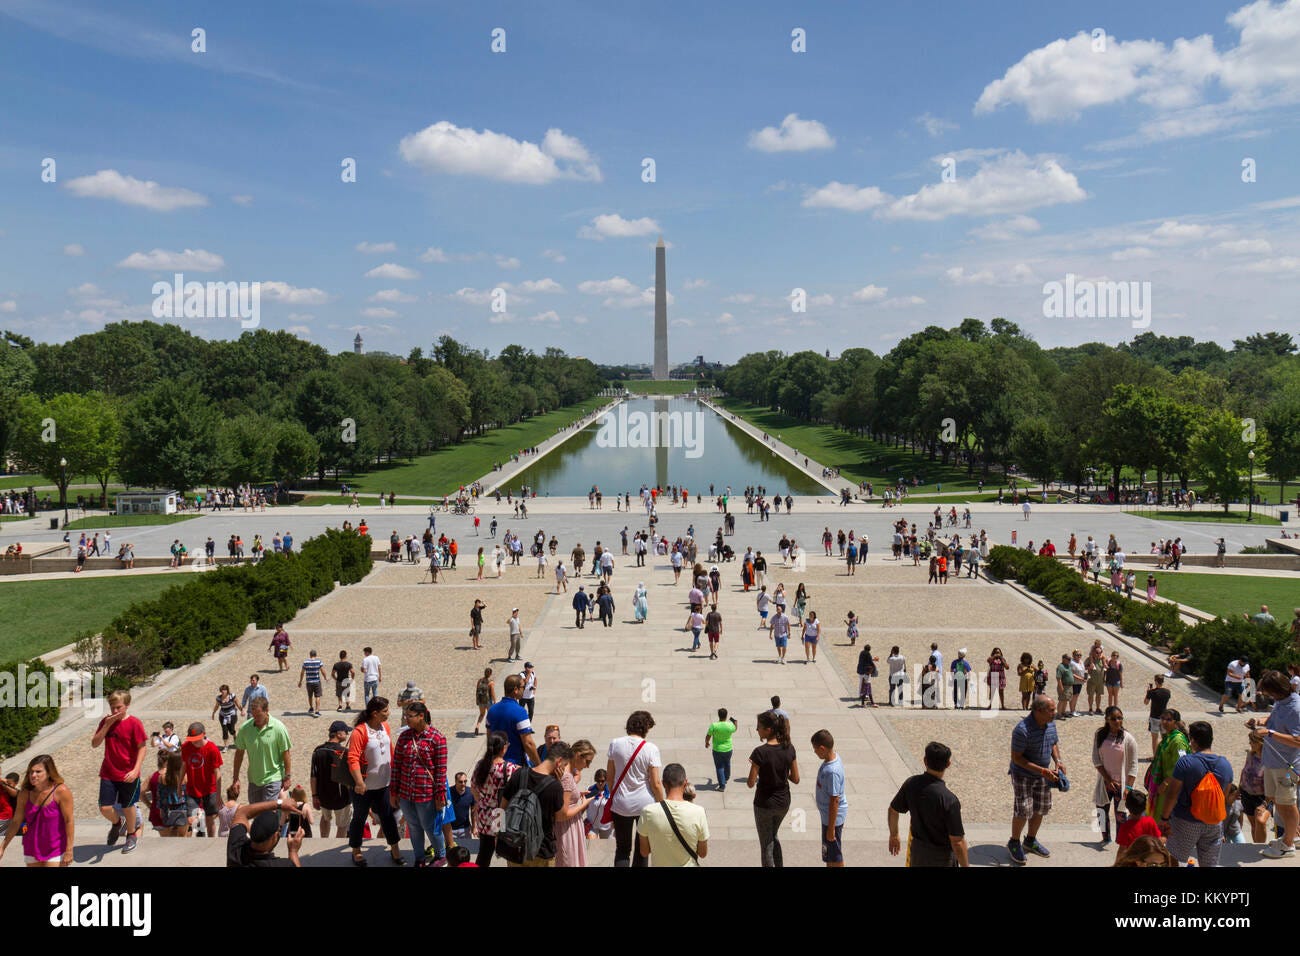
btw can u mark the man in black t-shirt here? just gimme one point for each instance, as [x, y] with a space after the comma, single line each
[333, 800]
[543, 781]
[936, 836]
[255, 830]
[1158, 697]
[341, 672]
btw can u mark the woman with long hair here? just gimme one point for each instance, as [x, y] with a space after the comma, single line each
[1146, 851]
[633, 765]
[1173, 744]
[772, 768]
[571, 831]
[1114, 679]
[229, 707]
[800, 603]
[486, 782]
[1094, 667]
[171, 798]
[1025, 671]
[1115, 755]
[370, 759]
[485, 695]
[997, 678]
[811, 632]
[43, 815]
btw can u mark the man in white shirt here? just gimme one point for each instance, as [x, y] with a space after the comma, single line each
[1234, 681]
[371, 674]
[674, 832]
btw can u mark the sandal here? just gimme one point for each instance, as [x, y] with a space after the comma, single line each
[399, 860]
[359, 860]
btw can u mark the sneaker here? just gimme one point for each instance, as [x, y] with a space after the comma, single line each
[1277, 850]
[1017, 852]
[130, 844]
[1033, 846]
[115, 831]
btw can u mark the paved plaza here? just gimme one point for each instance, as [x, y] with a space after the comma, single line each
[591, 679]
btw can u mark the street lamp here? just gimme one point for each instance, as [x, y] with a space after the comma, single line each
[1250, 501]
[63, 488]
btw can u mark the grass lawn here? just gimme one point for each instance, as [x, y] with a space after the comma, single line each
[672, 387]
[445, 470]
[858, 458]
[125, 521]
[1228, 594]
[54, 613]
[1206, 517]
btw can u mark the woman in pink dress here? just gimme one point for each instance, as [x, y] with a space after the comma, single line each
[571, 834]
[43, 816]
[489, 777]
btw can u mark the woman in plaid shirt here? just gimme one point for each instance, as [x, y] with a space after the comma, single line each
[419, 783]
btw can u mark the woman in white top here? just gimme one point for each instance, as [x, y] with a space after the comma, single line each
[632, 775]
[370, 759]
[811, 631]
[897, 674]
[1115, 755]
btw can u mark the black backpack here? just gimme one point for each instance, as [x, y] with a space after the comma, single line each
[522, 827]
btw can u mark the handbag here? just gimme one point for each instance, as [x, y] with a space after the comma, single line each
[607, 815]
[678, 833]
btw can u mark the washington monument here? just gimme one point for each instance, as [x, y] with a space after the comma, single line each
[661, 314]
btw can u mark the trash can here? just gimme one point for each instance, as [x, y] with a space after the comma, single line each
[1284, 516]
[54, 524]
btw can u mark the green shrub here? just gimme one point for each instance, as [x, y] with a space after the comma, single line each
[1215, 643]
[20, 725]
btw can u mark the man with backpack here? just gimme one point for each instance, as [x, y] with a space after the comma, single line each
[533, 801]
[333, 800]
[1196, 793]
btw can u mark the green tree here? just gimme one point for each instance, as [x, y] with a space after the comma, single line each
[17, 373]
[1281, 445]
[296, 453]
[245, 448]
[84, 429]
[1038, 447]
[169, 438]
[1221, 457]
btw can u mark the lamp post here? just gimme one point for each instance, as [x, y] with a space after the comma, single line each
[1250, 501]
[63, 488]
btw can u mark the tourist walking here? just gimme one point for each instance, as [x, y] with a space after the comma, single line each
[331, 798]
[570, 826]
[867, 669]
[772, 768]
[123, 738]
[476, 623]
[1157, 696]
[485, 695]
[1196, 823]
[370, 761]
[695, 624]
[811, 632]
[528, 697]
[713, 631]
[372, 672]
[674, 831]
[897, 674]
[1173, 746]
[634, 764]
[343, 681]
[640, 603]
[419, 783]
[1036, 769]
[516, 629]
[266, 742]
[717, 740]
[227, 710]
[605, 605]
[936, 835]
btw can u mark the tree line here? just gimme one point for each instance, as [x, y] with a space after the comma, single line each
[158, 406]
[1166, 406]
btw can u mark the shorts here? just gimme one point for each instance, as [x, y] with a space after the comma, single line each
[175, 818]
[782, 641]
[833, 850]
[281, 653]
[763, 615]
[1232, 689]
[210, 804]
[1033, 796]
[810, 640]
[1250, 802]
[343, 816]
[1153, 726]
[1280, 786]
[119, 793]
[313, 689]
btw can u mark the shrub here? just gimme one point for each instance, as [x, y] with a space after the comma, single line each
[20, 725]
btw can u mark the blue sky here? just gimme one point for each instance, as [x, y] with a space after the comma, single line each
[775, 170]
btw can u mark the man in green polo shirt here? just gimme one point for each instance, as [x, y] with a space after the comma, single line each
[718, 739]
[266, 741]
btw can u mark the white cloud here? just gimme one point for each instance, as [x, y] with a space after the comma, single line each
[1009, 183]
[392, 295]
[614, 226]
[580, 320]
[161, 260]
[548, 316]
[300, 317]
[615, 286]
[1172, 231]
[379, 312]
[691, 284]
[793, 136]
[903, 302]
[302, 331]
[74, 249]
[726, 318]
[9, 305]
[682, 323]
[1290, 202]
[959, 276]
[446, 148]
[1279, 266]
[540, 285]
[836, 195]
[473, 296]
[1133, 252]
[390, 270]
[934, 125]
[507, 262]
[555, 255]
[433, 254]
[369, 247]
[283, 292]
[85, 290]
[242, 200]
[1014, 228]
[110, 184]
[871, 293]
[824, 299]
[1245, 247]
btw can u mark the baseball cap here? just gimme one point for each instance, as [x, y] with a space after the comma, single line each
[513, 610]
[527, 664]
[337, 726]
[264, 826]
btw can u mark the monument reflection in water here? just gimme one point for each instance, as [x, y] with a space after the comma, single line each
[663, 441]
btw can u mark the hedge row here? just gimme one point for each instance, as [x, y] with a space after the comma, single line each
[19, 724]
[1213, 643]
[213, 609]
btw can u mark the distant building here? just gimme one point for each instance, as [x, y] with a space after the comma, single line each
[356, 344]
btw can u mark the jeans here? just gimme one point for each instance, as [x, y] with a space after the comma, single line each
[528, 703]
[371, 690]
[362, 804]
[722, 766]
[695, 631]
[421, 819]
[579, 617]
[626, 845]
[768, 822]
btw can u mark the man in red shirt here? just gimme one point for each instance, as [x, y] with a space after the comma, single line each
[202, 776]
[1049, 549]
[124, 741]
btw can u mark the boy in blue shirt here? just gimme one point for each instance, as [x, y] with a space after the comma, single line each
[832, 805]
